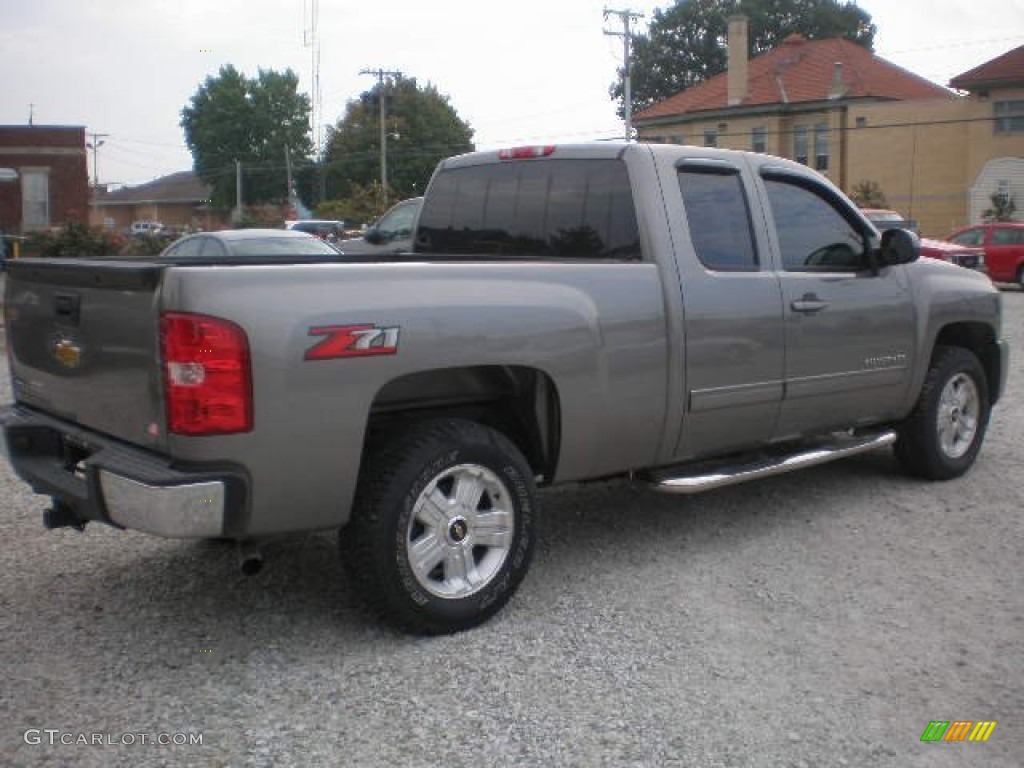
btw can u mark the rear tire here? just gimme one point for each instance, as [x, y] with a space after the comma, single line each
[1020, 277]
[442, 528]
[942, 436]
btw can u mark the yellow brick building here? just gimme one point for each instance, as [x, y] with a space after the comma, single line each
[937, 155]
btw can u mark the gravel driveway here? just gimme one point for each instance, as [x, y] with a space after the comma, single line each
[819, 619]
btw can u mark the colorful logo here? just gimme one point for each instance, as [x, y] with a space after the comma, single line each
[958, 730]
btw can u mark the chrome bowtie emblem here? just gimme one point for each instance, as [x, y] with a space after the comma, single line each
[66, 352]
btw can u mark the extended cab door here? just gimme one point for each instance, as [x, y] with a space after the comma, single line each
[733, 310]
[848, 327]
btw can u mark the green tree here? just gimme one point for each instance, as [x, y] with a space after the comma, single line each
[422, 127]
[251, 120]
[685, 44]
[1003, 207]
[868, 194]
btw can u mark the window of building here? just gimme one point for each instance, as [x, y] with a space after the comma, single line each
[821, 131]
[862, 122]
[577, 209]
[35, 199]
[813, 234]
[1009, 116]
[800, 144]
[759, 139]
[710, 138]
[677, 138]
[719, 218]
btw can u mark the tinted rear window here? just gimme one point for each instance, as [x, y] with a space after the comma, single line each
[580, 209]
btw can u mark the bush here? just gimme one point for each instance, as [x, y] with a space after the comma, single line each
[75, 240]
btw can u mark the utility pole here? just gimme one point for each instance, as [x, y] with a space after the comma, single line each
[381, 74]
[94, 145]
[627, 17]
[238, 191]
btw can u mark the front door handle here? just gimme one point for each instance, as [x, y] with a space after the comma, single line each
[810, 303]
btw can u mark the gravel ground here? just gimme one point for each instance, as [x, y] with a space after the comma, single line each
[818, 619]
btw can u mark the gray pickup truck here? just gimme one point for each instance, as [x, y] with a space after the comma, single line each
[683, 316]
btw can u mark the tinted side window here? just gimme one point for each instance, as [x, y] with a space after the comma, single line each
[187, 248]
[532, 209]
[398, 223]
[813, 235]
[1007, 236]
[970, 237]
[716, 210]
[213, 249]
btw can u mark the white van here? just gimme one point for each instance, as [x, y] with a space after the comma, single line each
[146, 227]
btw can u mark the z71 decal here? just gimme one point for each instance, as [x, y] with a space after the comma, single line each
[352, 341]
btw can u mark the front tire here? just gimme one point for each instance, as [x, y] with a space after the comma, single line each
[442, 527]
[941, 438]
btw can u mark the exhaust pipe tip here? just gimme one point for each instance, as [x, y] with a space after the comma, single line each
[250, 558]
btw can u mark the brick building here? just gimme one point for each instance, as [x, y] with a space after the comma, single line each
[44, 179]
[181, 200]
[937, 155]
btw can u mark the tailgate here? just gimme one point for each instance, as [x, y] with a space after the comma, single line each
[82, 341]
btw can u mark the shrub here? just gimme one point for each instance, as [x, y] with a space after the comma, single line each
[75, 239]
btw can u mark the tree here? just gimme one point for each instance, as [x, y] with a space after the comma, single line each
[423, 128]
[868, 194]
[1003, 207]
[686, 43]
[251, 120]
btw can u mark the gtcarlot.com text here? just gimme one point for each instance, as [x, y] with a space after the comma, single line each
[55, 736]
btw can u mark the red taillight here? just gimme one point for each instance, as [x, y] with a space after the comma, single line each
[207, 376]
[525, 153]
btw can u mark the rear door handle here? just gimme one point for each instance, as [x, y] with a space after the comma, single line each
[809, 304]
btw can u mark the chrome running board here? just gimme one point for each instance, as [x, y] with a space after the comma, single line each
[707, 478]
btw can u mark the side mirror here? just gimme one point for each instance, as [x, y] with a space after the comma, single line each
[899, 246]
[373, 236]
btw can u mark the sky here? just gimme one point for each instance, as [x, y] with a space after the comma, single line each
[528, 71]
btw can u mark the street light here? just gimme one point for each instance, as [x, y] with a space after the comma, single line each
[94, 145]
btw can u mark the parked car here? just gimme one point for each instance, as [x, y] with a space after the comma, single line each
[325, 229]
[248, 244]
[961, 255]
[391, 234]
[145, 228]
[1003, 243]
[884, 219]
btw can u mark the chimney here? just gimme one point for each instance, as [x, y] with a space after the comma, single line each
[737, 51]
[838, 89]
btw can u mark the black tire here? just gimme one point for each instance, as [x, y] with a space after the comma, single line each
[1020, 277]
[940, 439]
[482, 545]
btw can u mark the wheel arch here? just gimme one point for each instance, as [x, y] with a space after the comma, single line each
[521, 402]
[979, 338]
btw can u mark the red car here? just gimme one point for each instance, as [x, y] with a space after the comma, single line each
[960, 254]
[1004, 248]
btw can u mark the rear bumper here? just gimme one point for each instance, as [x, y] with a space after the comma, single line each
[104, 480]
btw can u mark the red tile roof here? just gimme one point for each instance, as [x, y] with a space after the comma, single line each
[1007, 69]
[802, 71]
